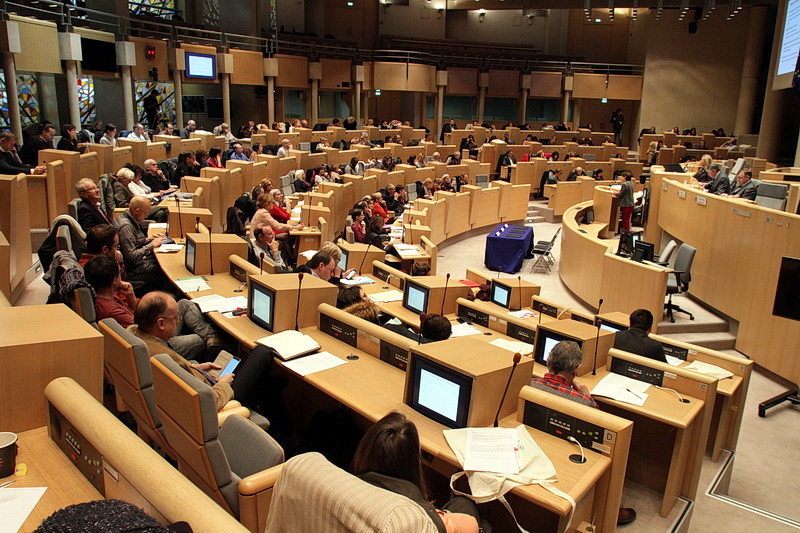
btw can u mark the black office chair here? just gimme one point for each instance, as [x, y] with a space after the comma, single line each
[683, 275]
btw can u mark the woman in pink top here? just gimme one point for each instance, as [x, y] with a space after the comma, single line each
[263, 217]
[215, 157]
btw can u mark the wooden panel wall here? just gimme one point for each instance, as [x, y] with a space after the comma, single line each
[292, 71]
[335, 74]
[248, 68]
[619, 87]
[401, 77]
[143, 65]
[39, 40]
[503, 83]
[546, 84]
[462, 81]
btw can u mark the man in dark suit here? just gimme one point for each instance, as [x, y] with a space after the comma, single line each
[10, 162]
[719, 181]
[447, 128]
[635, 339]
[321, 266]
[90, 214]
[745, 188]
[30, 150]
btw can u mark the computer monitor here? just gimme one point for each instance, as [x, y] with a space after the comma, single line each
[440, 393]
[261, 305]
[415, 297]
[501, 294]
[191, 248]
[608, 325]
[342, 264]
[546, 341]
[627, 241]
[647, 250]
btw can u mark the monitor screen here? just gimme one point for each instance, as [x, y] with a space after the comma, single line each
[202, 66]
[501, 294]
[627, 241]
[190, 254]
[98, 56]
[787, 293]
[611, 326]
[342, 264]
[415, 297]
[546, 340]
[261, 305]
[647, 249]
[438, 392]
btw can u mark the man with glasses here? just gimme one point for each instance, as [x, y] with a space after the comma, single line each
[90, 212]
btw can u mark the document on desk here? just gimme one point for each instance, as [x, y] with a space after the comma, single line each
[290, 344]
[709, 369]
[192, 284]
[674, 361]
[315, 362]
[491, 450]
[523, 314]
[308, 254]
[157, 226]
[387, 296]
[169, 248]
[622, 389]
[16, 505]
[357, 280]
[215, 302]
[406, 250]
[464, 330]
[523, 348]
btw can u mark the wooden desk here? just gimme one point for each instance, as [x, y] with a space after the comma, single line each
[49, 467]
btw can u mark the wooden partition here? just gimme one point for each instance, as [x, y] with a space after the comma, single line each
[513, 201]
[231, 186]
[156, 150]
[436, 217]
[272, 165]
[138, 150]
[485, 205]
[120, 157]
[211, 193]
[15, 225]
[248, 176]
[61, 183]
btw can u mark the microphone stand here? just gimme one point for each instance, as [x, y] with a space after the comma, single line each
[297, 310]
[517, 358]
[597, 322]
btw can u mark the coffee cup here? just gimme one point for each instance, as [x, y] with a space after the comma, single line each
[8, 453]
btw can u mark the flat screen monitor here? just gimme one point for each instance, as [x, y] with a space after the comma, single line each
[501, 294]
[440, 393]
[201, 66]
[98, 56]
[647, 249]
[546, 340]
[627, 241]
[611, 326]
[787, 293]
[415, 297]
[342, 264]
[261, 305]
[191, 248]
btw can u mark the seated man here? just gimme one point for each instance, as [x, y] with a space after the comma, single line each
[718, 182]
[157, 318]
[154, 177]
[562, 366]
[635, 339]
[186, 133]
[187, 166]
[745, 188]
[137, 248]
[283, 151]
[264, 242]
[29, 154]
[138, 133]
[237, 153]
[10, 163]
[322, 266]
[393, 203]
[90, 214]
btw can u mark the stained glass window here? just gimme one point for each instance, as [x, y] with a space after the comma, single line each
[165, 97]
[159, 8]
[86, 100]
[30, 107]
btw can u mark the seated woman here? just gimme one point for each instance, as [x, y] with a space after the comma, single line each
[358, 225]
[214, 158]
[375, 235]
[123, 194]
[300, 183]
[69, 139]
[389, 457]
[278, 212]
[379, 207]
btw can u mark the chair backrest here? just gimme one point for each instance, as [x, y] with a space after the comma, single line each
[72, 208]
[215, 459]
[666, 254]
[198, 200]
[127, 360]
[340, 502]
[64, 239]
[107, 201]
[349, 235]
[482, 180]
[772, 195]
[683, 263]
[83, 304]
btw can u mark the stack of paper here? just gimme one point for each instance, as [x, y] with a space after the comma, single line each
[463, 330]
[16, 504]
[387, 296]
[357, 280]
[215, 302]
[168, 248]
[290, 344]
[524, 313]
[709, 369]
[523, 348]
[192, 284]
[314, 363]
[674, 361]
[491, 450]
[622, 389]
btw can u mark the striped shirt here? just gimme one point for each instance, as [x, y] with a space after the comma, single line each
[560, 386]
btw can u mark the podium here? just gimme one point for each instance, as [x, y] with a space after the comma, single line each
[606, 210]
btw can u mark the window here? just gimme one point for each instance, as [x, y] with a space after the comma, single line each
[334, 104]
[500, 109]
[457, 107]
[30, 107]
[294, 103]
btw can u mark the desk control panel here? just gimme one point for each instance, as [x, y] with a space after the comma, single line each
[675, 351]
[77, 448]
[238, 273]
[394, 355]
[545, 309]
[521, 334]
[636, 371]
[561, 425]
[472, 315]
[338, 330]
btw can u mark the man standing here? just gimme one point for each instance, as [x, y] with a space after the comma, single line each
[617, 120]
[151, 108]
[635, 339]
[29, 154]
[10, 163]
[186, 133]
[90, 213]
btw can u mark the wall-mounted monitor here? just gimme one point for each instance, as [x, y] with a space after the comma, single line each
[415, 297]
[201, 66]
[440, 393]
[261, 305]
[191, 252]
[546, 341]
[501, 293]
[98, 56]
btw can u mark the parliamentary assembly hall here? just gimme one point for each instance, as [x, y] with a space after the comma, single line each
[400, 266]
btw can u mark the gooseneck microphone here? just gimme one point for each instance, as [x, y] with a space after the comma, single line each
[444, 292]
[261, 264]
[597, 323]
[519, 285]
[297, 311]
[363, 258]
[180, 218]
[517, 357]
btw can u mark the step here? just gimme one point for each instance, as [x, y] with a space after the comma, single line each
[701, 324]
[717, 340]
[533, 220]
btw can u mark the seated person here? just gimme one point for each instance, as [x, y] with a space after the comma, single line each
[123, 188]
[29, 153]
[137, 248]
[90, 213]
[432, 328]
[562, 366]
[336, 253]
[138, 133]
[286, 145]
[745, 188]
[358, 229]
[375, 235]
[420, 269]
[157, 320]
[154, 177]
[379, 207]
[69, 139]
[264, 242]
[718, 182]
[389, 457]
[10, 163]
[237, 153]
[351, 295]
[109, 136]
[573, 176]
[187, 166]
[114, 298]
[635, 339]
[321, 266]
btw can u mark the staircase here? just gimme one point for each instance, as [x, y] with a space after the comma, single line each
[707, 329]
[539, 212]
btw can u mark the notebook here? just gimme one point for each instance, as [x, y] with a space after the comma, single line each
[290, 344]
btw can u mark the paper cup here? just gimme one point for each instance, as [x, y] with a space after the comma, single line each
[8, 453]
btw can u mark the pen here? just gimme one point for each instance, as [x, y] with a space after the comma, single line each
[634, 393]
[7, 483]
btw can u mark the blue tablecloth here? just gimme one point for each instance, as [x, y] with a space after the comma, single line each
[507, 246]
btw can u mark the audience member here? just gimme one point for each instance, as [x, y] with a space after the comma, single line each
[10, 163]
[186, 133]
[109, 136]
[137, 248]
[114, 298]
[69, 139]
[138, 133]
[635, 339]
[90, 212]
[264, 242]
[29, 154]
[745, 188]
[718, 182]
[154, 177]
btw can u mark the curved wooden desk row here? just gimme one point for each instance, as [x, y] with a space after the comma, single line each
[740, 248]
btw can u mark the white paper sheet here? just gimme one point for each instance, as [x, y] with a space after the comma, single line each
[524, 313]
[464, 330]
[168, 248]
[16, 505]
[308, 254]
[674, 361]
[357, 280]
[513, 346]
[315, 362]
[215, 302]
[386, 296]
[157, 225]
[709, 369]
[192, 284]
[622, 389]
[491, 450]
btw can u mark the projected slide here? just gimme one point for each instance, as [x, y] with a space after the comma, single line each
[790, 43]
